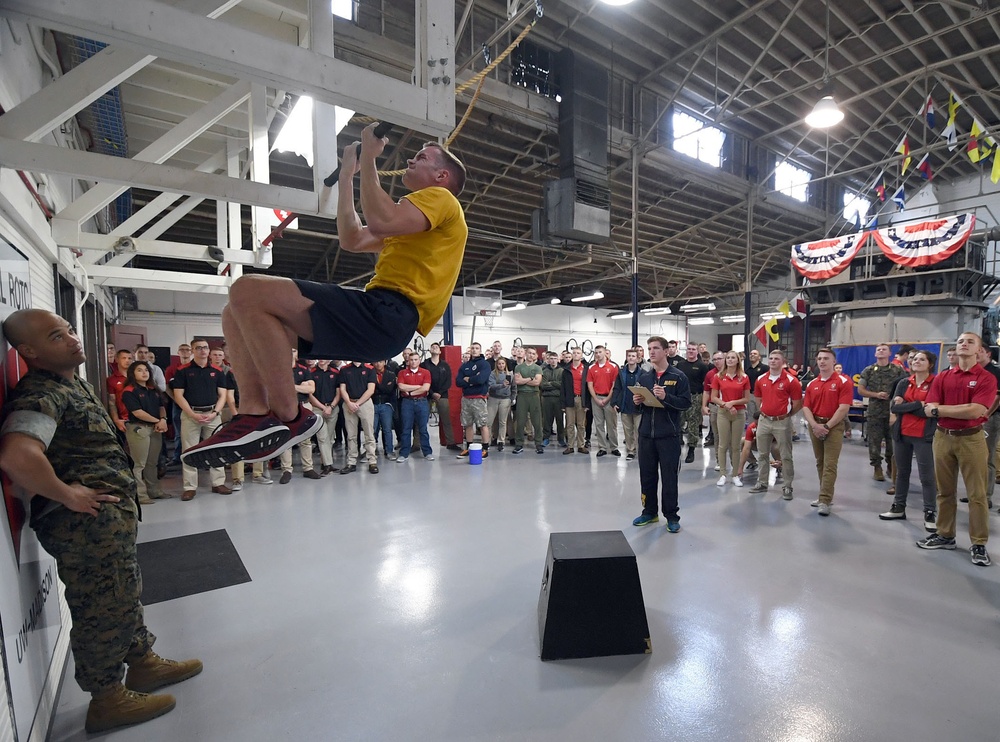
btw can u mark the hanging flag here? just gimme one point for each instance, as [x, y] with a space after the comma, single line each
[904, 150]
[799, 304]
[995, 172]
[873, 224]
[925, 243]
[826, 258]
[785, 308]
[761, 334]
[899, 197]
[929, 112]
[951, 131]
[880, 186]
[924, 166]
[972, 149]
[772, 329]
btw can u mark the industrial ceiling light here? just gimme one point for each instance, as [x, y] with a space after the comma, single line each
[555, 300]
[733, 318]
[520, 305]
[589, 297]
[701, 321]
[705, 307]
[616, 2]
[652, 311]
[625, 315]
[826, 113]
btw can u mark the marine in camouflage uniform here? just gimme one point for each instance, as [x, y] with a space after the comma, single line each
[876, 379]
[57, 440]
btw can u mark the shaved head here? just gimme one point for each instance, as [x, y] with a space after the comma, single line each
[44, 340]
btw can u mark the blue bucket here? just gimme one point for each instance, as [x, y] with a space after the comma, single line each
[475, 453]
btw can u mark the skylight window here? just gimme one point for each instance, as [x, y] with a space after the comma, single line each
[792, 181]
[697, 139]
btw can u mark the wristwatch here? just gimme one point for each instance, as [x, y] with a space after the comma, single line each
[934, 412]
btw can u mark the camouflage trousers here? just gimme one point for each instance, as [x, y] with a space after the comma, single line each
[692, 420]
[877, 430]
[97, 564]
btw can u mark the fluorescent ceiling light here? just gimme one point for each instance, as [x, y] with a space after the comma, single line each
[825, 113]
[773, 315]
[555, 300]
[706, 307]
[589, 297]
[297, 133]
[701, 321]
[656, 310]
[733, 318]
[616, 2]
[626, 315]
[516, 307]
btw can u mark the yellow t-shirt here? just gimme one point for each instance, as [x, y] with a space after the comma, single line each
[424, 267]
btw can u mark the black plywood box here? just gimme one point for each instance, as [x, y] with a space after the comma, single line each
[591, 600]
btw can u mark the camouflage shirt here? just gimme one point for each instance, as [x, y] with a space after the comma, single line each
[81, 442]
[881, 379]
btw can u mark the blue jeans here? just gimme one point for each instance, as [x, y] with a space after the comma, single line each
[415, 411]
[383, 422]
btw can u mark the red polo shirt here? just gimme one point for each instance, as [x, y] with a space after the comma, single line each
[707, 386]
[732, 387]
[577, 372]
[751, 432]
[824, 397]
[910, 424]
[957, 387]
[776, 397]
[116, 385]
[603, 377]
[417, 378]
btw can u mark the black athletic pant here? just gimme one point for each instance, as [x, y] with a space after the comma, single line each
[659, 458]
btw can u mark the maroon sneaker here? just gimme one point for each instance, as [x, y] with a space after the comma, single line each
[242, 438]
[302, 428]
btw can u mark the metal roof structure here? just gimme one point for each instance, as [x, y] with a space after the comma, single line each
[753, 69]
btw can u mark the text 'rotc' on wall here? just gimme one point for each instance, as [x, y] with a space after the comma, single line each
[15, 292]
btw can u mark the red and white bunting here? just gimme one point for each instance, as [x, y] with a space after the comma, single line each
[826, 258]
[927, 242]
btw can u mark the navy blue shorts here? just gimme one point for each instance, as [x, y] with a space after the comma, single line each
[353, 325]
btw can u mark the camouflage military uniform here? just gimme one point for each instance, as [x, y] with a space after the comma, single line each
[96, 556]
[880, 379]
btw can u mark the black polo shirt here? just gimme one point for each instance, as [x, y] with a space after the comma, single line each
[201, 385]
[762, 369]
[356, 379]
[300, 375]
[326, 384]
[995, 373]
[142, 398]
[695, 372]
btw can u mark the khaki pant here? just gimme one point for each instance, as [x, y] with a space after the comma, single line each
[827, 452]
[576, 424]
[444, 419]
[730, 440]
[605, 426]
[497, 410]
[779, 431]
[713, 424]
[965, 454]
[193, 432]
[366, 418]
[305, 452]
[630, 425]
[326, 436]
[144, 447]
[239, 468]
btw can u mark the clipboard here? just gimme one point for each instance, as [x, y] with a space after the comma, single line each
[648, 398]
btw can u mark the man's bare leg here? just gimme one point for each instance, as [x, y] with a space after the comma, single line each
[266, 315]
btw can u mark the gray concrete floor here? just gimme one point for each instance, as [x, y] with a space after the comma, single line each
[402, 606]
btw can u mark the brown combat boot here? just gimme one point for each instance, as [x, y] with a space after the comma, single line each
[878, 476]
[120, 707]
[152, 672]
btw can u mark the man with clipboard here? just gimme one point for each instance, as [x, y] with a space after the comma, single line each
[661, 394]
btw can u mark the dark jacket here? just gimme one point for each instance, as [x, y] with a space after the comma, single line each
[552, 381]
[622, 397]
[478, 372]
[440, 376]
[385, 391]
[567, 387]
[665, 422]
[911, 408]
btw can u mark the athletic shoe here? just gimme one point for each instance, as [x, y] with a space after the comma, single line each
[751, 466]
[630, 457]
[539, 450]
[616, 452]
[486, 453]
[824, 508]
[464, 454]
[545, 441]
[721, 482]
[673, 526]
[936, 541]
[601, 453]
[758, 488]
[895, 512]
[786, 493]
[243, 438]
[518, 450]
[429, 457]
[645, 520]
[737, 482]
[262, 479]
[930, 521]
[402, 459]
[237, 485]
[814, 504]
[302, 428]
[979, 555]
[718, 468]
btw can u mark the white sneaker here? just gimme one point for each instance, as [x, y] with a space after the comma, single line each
[721, 482]
[401, 459]
[262, 480]
[737, 482]
[237, 485]
[824, 508]
[429, 457]
[718, 468]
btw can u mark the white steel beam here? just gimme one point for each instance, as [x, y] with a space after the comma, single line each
[141, 278]
[133, 247]
[92, 166]
[97, 197]
[36, 116]
[177, 34]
